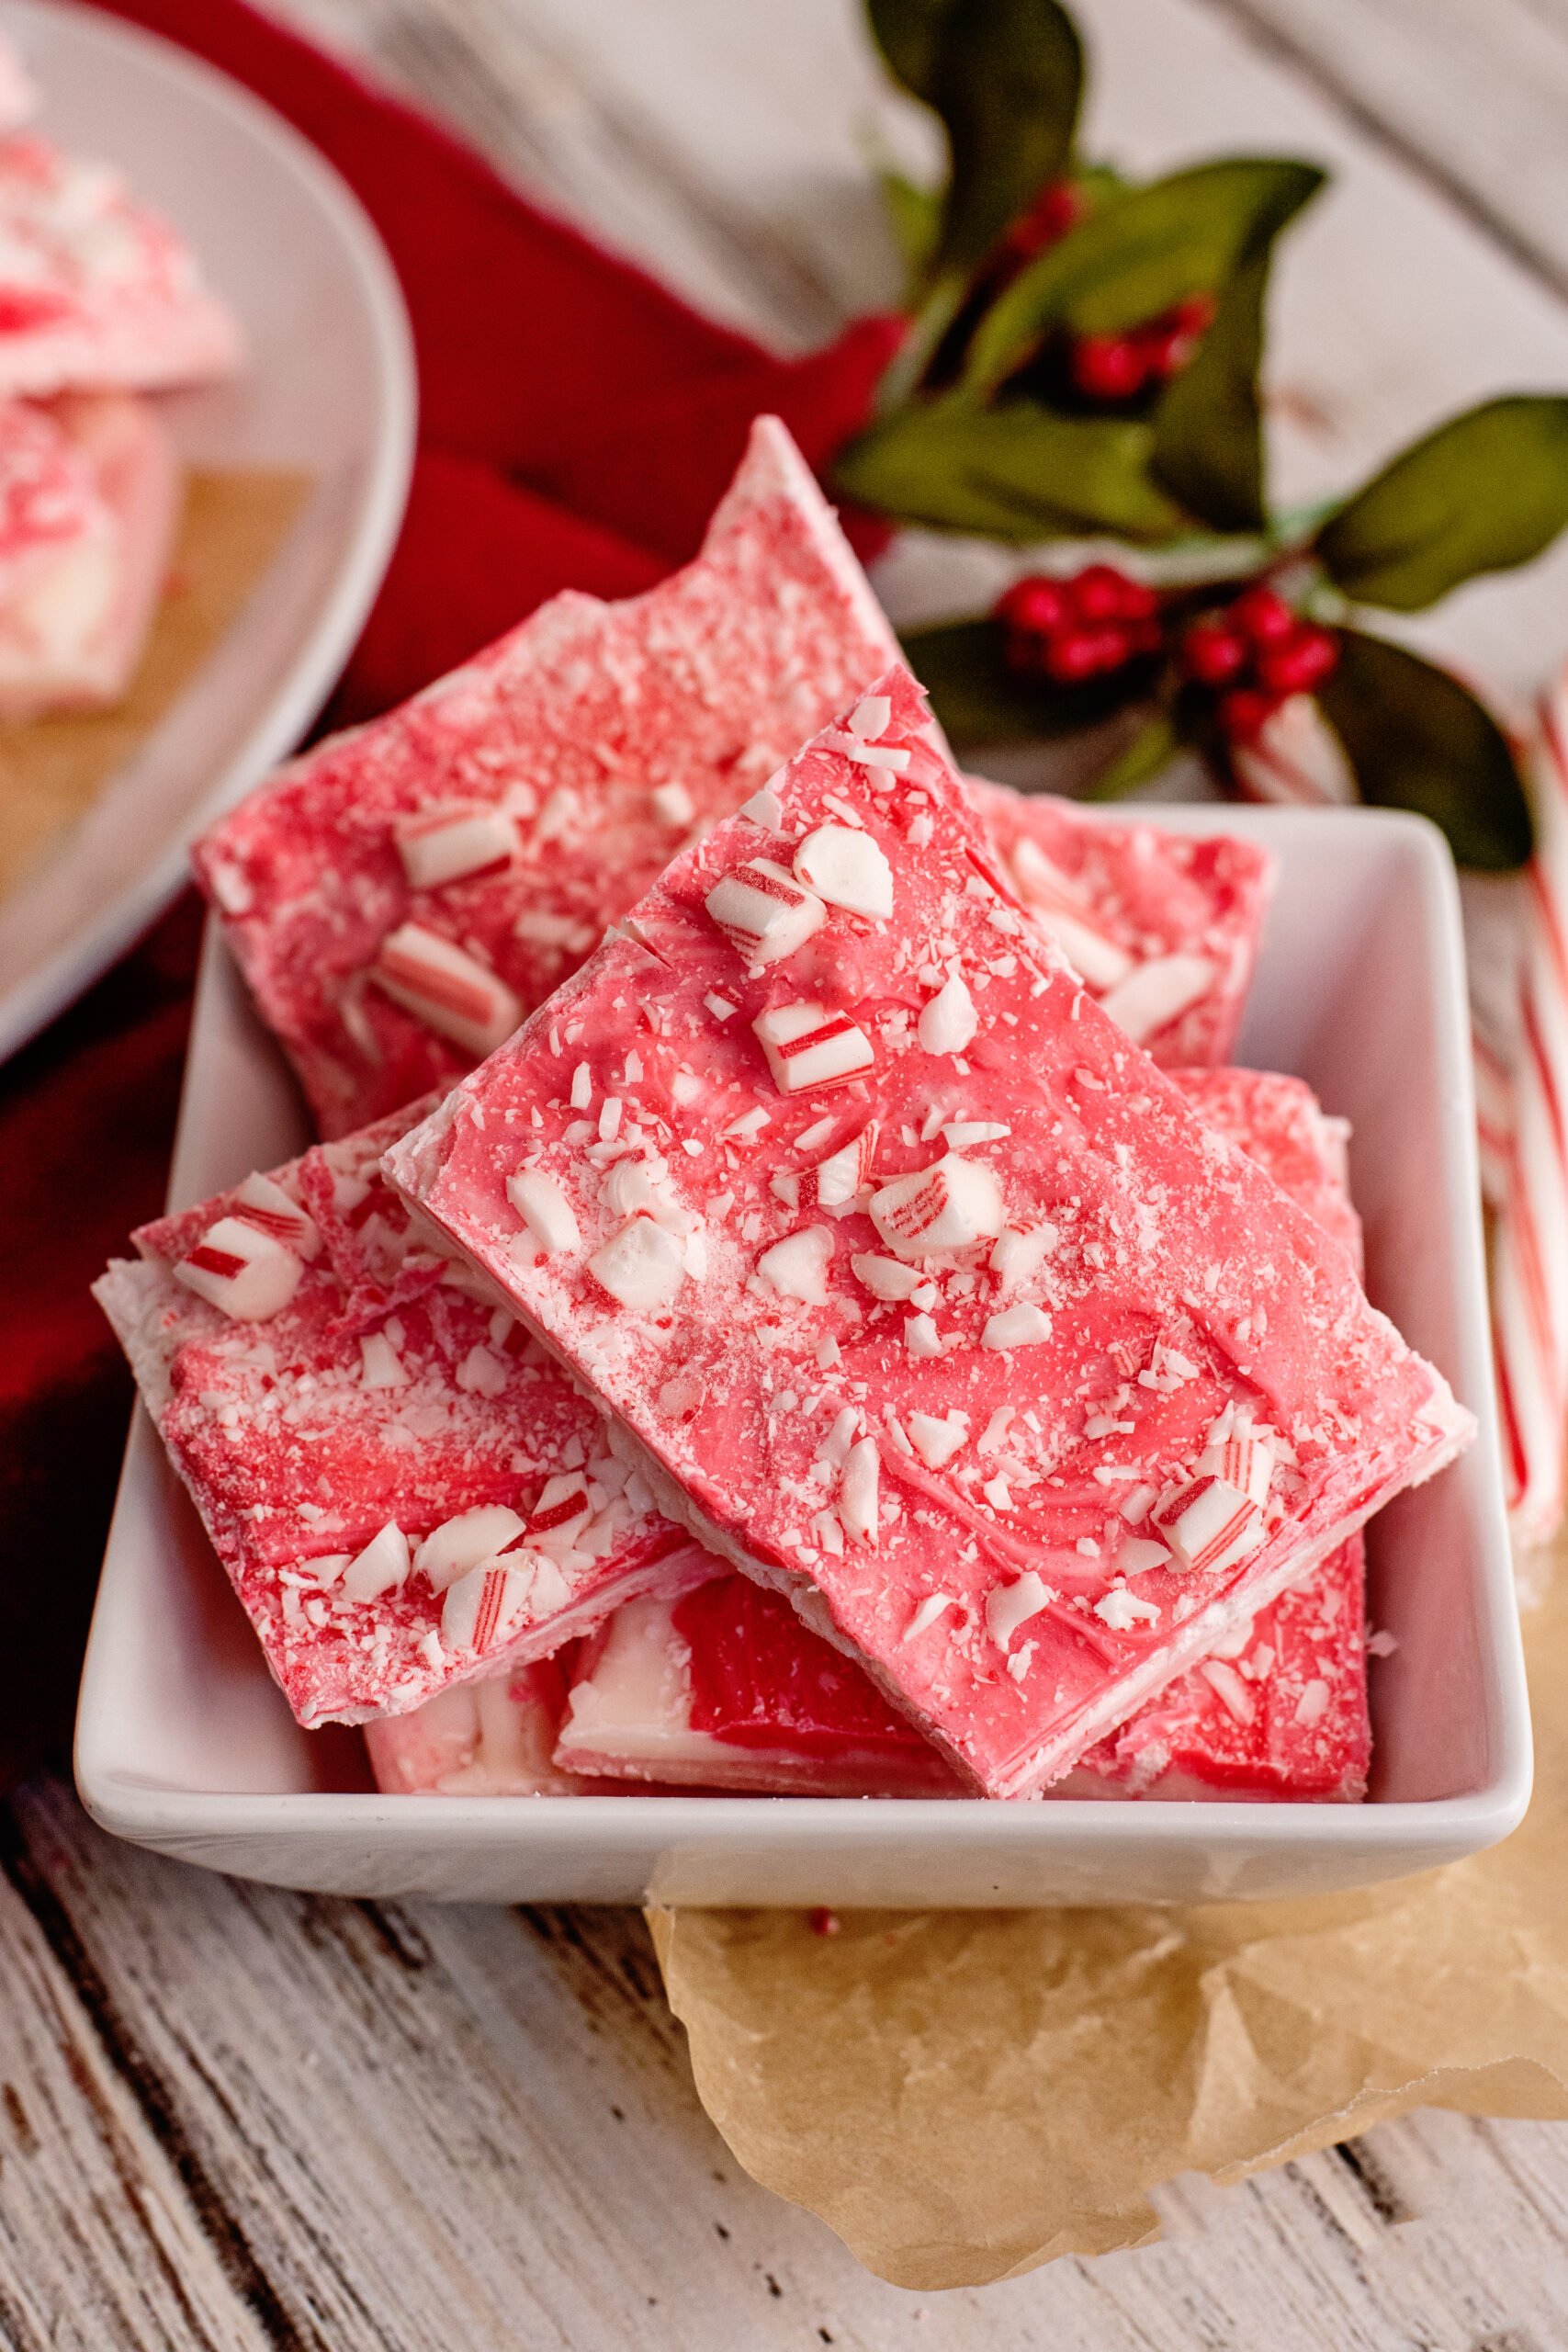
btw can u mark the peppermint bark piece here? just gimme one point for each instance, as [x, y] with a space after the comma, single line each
[403, 1492]
[97, 291]
[400, 896]
[1162, 928]
[89, 497]
[491, 1738]
[716, 1684]
[1028, 1420]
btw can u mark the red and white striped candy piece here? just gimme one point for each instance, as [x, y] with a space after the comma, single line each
[808, 1047]
[1158, 992]
[838, 1181]
[939, 1209]
[455, 845]
[1209, 1524]
[642, 1267]
[450, 990]
[266, 1205]
[763, 911]
[559, 1517]
[248, 1274]
[1241, 1455]
[458, 1544]
[847, 869]
[482, 1607]
[1059, 908]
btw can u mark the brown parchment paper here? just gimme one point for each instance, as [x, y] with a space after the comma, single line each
[965, 2094]
[52, 770]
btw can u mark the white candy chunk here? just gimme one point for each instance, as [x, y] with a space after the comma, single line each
[452, 992]
[847, 869]
[482, 1607]
[1158, 993]
[885, 1277]
[808, 1047]
[544, 1209]
[643, 1266]
[673, 803]
[449, 844]
[266, 1205]
[796, 1267]
[1015, 1327]
[765, 809]
[380, 1367]
[383, 1564]
[1135, 1555]
[763, 911]
[458, 1544]
[1313, 1704]
[937, 1209]
[949, 1022]
[936, 1441]
[858, 1485]
[1097, 960]
[1043, 882]
[894, 758]
[1016, 1256]
[1009, 1606]
[1119, 1609]
[241, 1271]
[959, 1134]
[1228, 1688]
[870, 716]
[922, 1337]
[844, 1174]
[1242, 1456]
[1209, 1524]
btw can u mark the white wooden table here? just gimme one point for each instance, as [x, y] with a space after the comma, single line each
[235, 2118]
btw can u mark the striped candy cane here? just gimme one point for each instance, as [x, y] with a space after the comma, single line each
[1529, 1262]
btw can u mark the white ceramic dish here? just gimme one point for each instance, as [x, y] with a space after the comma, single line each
[184, 1745]
[328, 388]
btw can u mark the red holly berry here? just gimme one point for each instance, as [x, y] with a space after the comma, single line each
[1035, 603]
[1080, 654]
[1108, 367]
[1301, 663]
[1213, 654]
[1095, 592]
[1054, 211]
[1196, 315]
[1243, 712]
[1261, 614]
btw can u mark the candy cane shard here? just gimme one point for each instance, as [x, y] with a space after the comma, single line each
[249, 1275]
[1160, 1283]
[764, 912]
[447, 845]
[454, 992]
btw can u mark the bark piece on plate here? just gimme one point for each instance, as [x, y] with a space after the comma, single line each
[1163, 928]
[491, 1738]
[89, 498]
[714, 1681]
[404, 1493]
[914, 1287]
[97, 292]
[400, 896]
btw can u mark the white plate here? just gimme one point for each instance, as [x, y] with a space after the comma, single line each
[183, 1743]
[328, 388]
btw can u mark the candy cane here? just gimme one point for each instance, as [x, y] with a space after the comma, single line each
[1529, 1263]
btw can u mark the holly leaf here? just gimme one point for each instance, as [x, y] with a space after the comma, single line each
[981, 702]
[1208, 445]
[1006, 77]
[915, 214]
[1153, 748]
[1486, 491]
[1139, 253]
[1416, 739]
[1016, 473]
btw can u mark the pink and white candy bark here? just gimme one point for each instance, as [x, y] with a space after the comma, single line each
[1162, 928]
[949, 1421]
[404, 1493]
[96, 291]
[89, 498]
[400, 896]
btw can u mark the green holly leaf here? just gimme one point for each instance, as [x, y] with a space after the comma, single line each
[915, 214]
[1137, 255]
[1416, 739]
[1016, 473]
[1006, 76]
[1486, 491]
[1153, 748]
[981, 702]
[1208, 448]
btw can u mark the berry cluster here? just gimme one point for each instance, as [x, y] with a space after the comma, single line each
[1120, 366]
[1255, 654]
[1074, 629]
[1054, 210]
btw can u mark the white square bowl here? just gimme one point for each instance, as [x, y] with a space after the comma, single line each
[183, 1743]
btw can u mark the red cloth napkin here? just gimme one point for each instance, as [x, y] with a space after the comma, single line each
[577, 425]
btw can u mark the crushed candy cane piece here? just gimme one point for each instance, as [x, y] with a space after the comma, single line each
[847, 869]
[450, 990]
